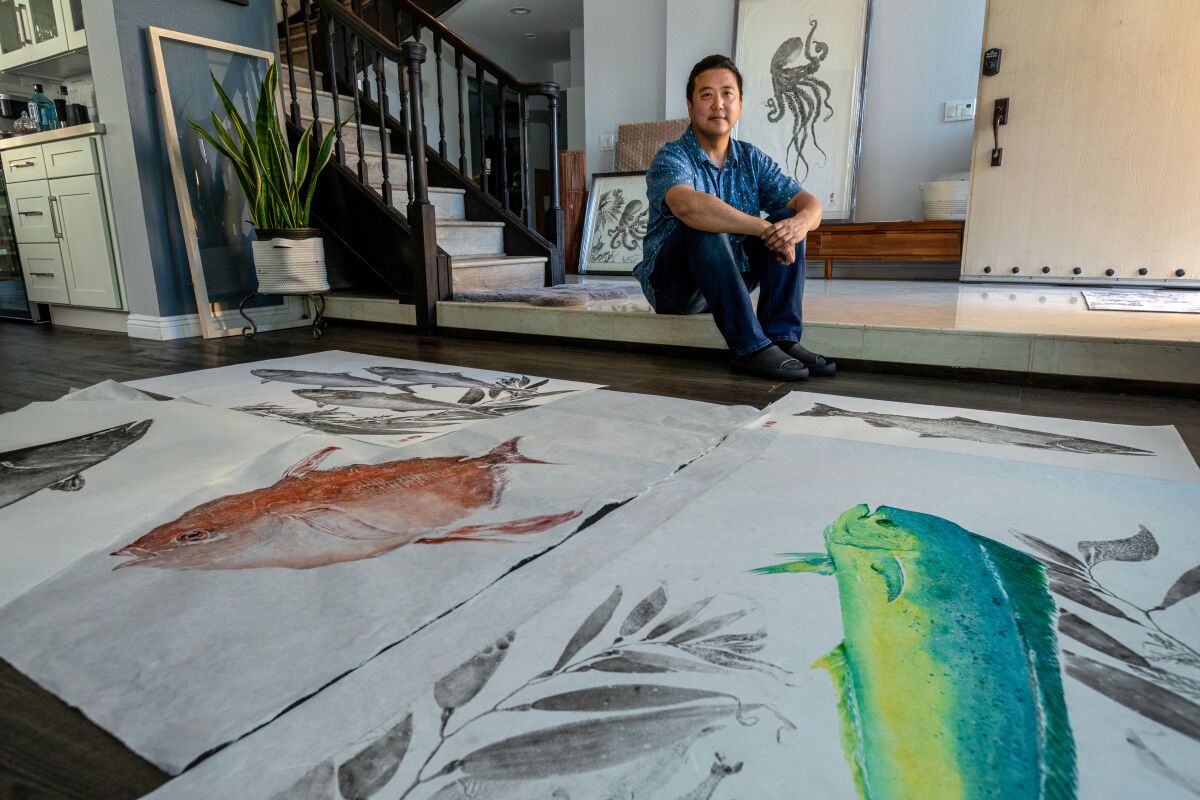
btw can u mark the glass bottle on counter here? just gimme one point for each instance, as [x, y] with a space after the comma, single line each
[41, 108]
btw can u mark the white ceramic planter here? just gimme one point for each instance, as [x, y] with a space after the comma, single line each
[290, 262]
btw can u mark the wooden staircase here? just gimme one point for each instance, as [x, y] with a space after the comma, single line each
[477, 241]
[475, 247]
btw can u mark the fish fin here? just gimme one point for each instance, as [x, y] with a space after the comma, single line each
[1024, 581]
[877, 423]
[308, 463]
[803, 562]
[471, 396]
[71, 484]
[820, 410]
[507, 453]
[892, 572]
[836, 664]
[932, 436]
[476, 533]
[340, 524]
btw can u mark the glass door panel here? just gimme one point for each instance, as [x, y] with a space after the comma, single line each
[46, 29]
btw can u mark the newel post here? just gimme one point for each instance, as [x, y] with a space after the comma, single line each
[431, 275]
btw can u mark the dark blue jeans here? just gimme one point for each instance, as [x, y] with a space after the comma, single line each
[696, 271]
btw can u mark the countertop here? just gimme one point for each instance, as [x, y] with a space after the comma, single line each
[72, 132]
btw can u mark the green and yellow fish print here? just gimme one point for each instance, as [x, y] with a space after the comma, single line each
[948, 676]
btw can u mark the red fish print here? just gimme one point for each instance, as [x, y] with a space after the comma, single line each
[313, 518]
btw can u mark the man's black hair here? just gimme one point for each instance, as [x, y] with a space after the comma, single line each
[715, 61]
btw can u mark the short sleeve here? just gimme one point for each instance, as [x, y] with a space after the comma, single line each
[670, 167]
[775, 187]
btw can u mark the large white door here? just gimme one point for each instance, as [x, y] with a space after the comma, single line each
[1101, 153]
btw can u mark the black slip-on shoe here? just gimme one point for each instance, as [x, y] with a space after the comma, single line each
[771, 362]
[818, 366]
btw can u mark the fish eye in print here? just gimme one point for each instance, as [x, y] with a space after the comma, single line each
[58, 465]
[312, 517]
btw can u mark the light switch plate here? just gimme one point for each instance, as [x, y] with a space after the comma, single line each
[958, 110]
[608, 142]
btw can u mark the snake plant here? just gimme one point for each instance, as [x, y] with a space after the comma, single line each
[278, 187]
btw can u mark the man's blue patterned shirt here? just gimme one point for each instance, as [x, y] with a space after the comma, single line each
[750, 181]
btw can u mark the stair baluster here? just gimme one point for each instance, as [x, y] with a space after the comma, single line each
[481, 79]
[502, 146]
[406, 124]
[339, 147]
[384, 137]
[555, 218]
[437, 56]
[462, 126]
[362, 161]
[306, 13]
[526, 195]
[287, 38]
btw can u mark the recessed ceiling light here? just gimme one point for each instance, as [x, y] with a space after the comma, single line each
[520, 11]
[530, 35]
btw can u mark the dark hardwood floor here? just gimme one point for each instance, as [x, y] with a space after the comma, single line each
[50, 750]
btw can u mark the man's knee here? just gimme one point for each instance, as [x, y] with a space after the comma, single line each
[709, 246]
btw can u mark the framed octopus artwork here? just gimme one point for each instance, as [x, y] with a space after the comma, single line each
[803, 64]
[614, 224]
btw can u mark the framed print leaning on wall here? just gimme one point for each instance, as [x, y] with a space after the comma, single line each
[614, 224]
[803, 64]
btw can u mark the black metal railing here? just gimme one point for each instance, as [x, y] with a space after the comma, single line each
[365, 46]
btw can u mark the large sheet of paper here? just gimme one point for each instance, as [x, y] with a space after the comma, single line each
[380, 400]
[807, 609]
[1150, 451]
[261, 587]
[76, 476]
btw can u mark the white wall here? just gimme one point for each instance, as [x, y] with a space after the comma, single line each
[922, 53]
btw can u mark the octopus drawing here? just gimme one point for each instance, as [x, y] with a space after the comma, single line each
[799, 92]
[619, 228]
[631, 227]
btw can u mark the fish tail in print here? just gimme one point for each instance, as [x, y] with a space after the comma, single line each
[822, 410]
[507, 453]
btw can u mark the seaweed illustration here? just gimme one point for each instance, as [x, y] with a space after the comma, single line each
[394, 390]
[1159, 673]
[641, 731]
[619, 228]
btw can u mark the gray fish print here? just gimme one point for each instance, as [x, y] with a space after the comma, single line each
[306, 378]
[423, 377]
[394, 402]
[972, 430]
[57, 465]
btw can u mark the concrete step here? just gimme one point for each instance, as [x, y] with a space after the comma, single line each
[304, 97]
[448, 204]
[469, 238]
[497, 272]
[397, 164]
[370, 134]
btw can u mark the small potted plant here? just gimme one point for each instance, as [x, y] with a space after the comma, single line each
[289, 256]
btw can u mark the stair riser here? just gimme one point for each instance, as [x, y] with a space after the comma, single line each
[470, 240]
[324, 103]
[507, 276]
[349, 136]
[446, 205]
[301, 76]
[397, 166]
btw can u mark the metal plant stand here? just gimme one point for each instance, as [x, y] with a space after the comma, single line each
[318, 303]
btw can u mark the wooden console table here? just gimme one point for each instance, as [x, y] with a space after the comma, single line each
[941, 240]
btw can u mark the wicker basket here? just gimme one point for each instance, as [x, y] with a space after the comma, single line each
[290, 261]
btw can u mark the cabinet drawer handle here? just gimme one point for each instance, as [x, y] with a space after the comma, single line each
[53, 218]
[42, 274]
[30, 213]
[23, 163]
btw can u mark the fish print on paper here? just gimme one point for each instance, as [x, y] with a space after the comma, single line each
[313, 518]
[972, 430]
[400, 396]
[949, 676]
[625, 735]
[59, 465]
[1152, 670]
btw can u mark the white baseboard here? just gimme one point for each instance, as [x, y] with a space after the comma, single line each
[180, 326]
[95, 319]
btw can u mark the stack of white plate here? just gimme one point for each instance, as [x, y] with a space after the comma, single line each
[945, 199]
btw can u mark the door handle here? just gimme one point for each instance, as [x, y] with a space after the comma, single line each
[53, 219]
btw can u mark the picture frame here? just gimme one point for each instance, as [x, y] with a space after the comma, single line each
[213, 212]
[804, 67]
[614, 224]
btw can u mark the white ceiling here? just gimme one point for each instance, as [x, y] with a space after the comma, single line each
[490, 20]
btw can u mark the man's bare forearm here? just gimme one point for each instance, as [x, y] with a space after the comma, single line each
[806, 204]
[705, 212]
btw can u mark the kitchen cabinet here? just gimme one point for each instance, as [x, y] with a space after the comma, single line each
[36, 30]
[62, 220]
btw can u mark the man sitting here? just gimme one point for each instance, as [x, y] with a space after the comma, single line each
[707, 246]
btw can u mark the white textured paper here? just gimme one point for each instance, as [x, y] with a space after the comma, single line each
[336, 392]
[174, 662]
[1150, 451]
[184, 448]
[1157, 300]
[758, 495]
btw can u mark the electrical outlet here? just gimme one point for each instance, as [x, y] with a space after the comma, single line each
[608, 142]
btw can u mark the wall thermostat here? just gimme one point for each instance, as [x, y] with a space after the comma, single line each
[991, 61]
